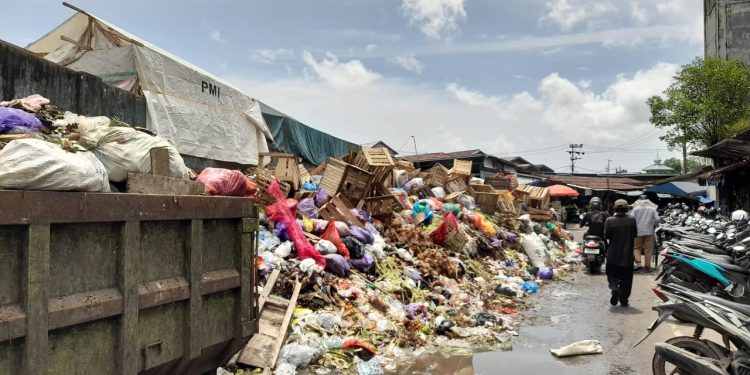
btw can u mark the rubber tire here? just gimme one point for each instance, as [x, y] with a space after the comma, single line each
[684, 342]
[692, 286]
[594, 267]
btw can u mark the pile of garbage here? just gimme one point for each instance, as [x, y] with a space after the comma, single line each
[429, 272]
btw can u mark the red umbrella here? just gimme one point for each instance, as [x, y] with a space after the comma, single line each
[561, 191]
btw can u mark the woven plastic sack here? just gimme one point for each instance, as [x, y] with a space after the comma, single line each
[331, 234]
[123, 150]
[33, 164]
[448, 226]
[304, 248]
[17, 121]
[220, 181]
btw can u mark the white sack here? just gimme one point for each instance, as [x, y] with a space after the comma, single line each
[579, 348]
[534, 248]
[400, 177]
[123, 150]
[33, 164]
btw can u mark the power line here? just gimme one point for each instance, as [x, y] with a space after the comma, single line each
[575, 155]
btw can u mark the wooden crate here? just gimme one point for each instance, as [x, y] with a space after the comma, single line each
[338, 210]
[536, 197]
[262, 179]
[405, 165]
[414, 173]
[488, 202]
[539, 214]
[455, 184]
[286, 168]
[507, 207]
[498, 182]
[345, 179]
[304, 175]
[384, 205]
[436, 176]
[461, 168]
[480, 188]
[378, 162]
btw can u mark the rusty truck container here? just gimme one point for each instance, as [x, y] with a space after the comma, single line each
[124, 284]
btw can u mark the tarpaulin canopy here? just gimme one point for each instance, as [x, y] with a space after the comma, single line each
[687, 189]
[561, 191]
[294, 137]
[201, 114]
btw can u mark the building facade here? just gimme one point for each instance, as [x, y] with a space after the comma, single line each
[727, 29]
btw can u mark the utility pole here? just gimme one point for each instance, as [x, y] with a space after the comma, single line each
[574, 155]
[415, 145]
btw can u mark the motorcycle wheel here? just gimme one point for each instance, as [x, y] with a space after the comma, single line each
[594, 267]
[693, 345]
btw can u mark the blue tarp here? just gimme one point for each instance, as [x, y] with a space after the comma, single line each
[686, 189]
[294, 137]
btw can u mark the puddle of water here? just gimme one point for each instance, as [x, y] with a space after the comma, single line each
[541, 332]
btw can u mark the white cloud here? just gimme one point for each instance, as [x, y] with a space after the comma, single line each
[688, 14]
[639, 13]
[453, 117]
[341, 75]
[216, 36]
[435, 18]
[270, 56]
[409, 63]
[567, 14]
[371, 47]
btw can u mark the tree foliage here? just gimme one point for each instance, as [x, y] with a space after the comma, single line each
[693, 164]
[706, 103]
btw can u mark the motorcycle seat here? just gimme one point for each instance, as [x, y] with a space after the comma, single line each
[733, 267]
[740, 307]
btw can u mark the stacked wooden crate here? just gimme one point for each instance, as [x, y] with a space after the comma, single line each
[379, 163]
[350, 181]
[456, 184]
[263, 179]
[486, 198]
[461, 168]
[498, 181]
[536, 197]
[436, 176]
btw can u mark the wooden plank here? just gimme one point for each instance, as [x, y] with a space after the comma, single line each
[36, 290]
[13, 137]
[128, 284]
[139, 183]
[160, 161]
[268, 288]
[285, 324]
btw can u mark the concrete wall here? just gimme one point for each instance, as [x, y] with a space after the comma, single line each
[23, 74]
[727, 29]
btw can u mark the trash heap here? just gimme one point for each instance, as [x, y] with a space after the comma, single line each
[393, 260]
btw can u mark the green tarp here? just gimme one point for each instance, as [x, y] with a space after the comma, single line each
[294, 137]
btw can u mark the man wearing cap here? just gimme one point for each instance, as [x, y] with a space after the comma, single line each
[620, 232]
[646, 218]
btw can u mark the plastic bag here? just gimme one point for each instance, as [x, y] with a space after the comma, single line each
[304, 248]
[467, 201]
[362, 235]
[283, 250]
[31, 103]
[337, 265]
[279, 230]
[33, 164]
[400, 177]
[365, 264]
[297, 355]
[307, 207]
[530, 287]
[438, 192]
[331, 234]
[422, 208]
[266, 240]
[435, 204]
[275, 214]
[448, 226]
[18, 121]
[220, 181]
[342, 228]
[414, 183]
[123, 149]
[484, 225]
[356, 249]
[326, 247]
[321, 198]
[309, 186]
[452, 207]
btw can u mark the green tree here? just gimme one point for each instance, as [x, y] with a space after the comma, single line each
[706, 103]
[693, 164]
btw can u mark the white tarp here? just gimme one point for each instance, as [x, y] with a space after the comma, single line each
[200, 114]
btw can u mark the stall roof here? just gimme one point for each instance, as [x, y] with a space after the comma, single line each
[435, 156]
[686, 189]
[732, 149]
[597, 182]
[719, 171]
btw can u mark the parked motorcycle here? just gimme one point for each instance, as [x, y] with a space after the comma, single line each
[695, 355]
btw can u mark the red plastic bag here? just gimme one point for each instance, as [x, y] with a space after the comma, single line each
[435, 204]
[304, 248]
[274, 214]
[220, 181]
[448, 226]
[331, 234]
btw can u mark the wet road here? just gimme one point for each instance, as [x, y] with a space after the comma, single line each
[576, 308]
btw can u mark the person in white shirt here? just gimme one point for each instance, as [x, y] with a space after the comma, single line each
[646, 218]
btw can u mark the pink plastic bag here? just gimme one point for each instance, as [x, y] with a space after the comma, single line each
[304, 248]
[220, 181]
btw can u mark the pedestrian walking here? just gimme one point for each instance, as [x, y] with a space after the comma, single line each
[620, 232]
[646, 218]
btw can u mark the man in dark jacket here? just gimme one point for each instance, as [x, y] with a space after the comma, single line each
[620, 232]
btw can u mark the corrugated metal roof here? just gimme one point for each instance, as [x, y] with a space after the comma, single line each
[732, 149]
[444, 156]
[598, 183]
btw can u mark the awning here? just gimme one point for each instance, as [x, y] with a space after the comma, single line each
[705, 200]
[718, 172]
[732, 149]
[685, 189]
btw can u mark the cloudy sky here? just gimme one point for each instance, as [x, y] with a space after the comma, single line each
[509, 77]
